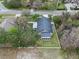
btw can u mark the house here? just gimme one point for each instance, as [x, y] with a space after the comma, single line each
[44, 27]
[74, 4]
[72, 1]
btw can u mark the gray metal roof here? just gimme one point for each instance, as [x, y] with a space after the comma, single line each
[44, 26]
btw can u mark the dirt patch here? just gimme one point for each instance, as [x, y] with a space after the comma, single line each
[70, 38]
[29, 53]
[36, 53]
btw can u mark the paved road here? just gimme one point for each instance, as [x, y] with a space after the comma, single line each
[54, 13]
[11, 12]
[48, 12]
[4, 10]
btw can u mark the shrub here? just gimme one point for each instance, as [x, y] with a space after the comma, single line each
[61, 6]
[57, 21]
[48, 6]
[13, 4]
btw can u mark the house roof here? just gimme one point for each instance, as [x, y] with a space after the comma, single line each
[46, 35]
[44, 26]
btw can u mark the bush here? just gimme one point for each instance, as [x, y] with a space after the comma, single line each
[57, 21]
[34, 17]
[61, 6]
[48, 6]
[13, 4]
[75, 23]
[2, 36]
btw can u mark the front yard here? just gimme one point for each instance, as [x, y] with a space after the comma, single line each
[53, 42]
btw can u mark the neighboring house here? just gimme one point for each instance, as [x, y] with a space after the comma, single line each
[72, 1]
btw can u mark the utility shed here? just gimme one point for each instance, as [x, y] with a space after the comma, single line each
[44, 27]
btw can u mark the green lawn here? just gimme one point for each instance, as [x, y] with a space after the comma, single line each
[2, 16]
[75, 22]
[61, 6]
[53, 42]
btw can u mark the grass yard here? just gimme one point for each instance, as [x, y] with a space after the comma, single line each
[61, 6]
[53, 42]
[75, 22]
[3, 16]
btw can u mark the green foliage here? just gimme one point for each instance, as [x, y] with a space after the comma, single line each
[48, 6]
[2, 36]
[75, 23]
[44, 0]
[31, 17]
[61, 6]
[24, 36]
[62, 1]
[0, 16]
[53, 42]
[34, 17]
[13, 4]
[77, 50]
[57, 21]
[12, 29]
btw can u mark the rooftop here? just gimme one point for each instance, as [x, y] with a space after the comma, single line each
[44, 26]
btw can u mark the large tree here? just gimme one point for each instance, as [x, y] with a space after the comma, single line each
[12, 3]
[24, 35]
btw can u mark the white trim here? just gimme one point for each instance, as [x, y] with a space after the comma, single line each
[45, 15]
[35, 25]
[45, 37]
